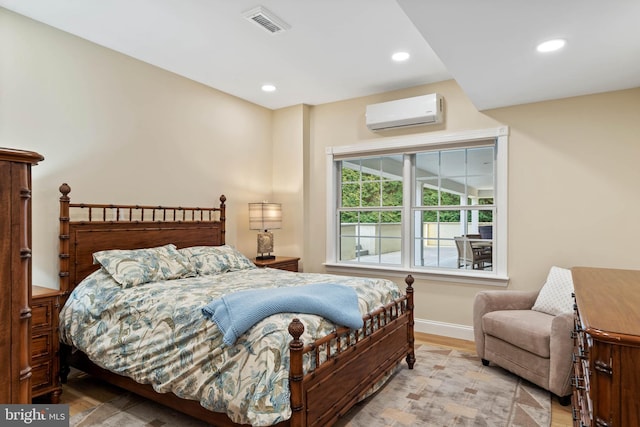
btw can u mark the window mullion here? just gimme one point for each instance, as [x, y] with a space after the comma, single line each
[408, 226]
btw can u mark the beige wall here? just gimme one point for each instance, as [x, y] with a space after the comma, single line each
[122, 131]
[290, 142]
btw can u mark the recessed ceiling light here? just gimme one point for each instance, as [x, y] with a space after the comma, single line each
[551, 45]
[400, 56]
[268, 88]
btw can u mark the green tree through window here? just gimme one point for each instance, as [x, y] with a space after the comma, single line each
[369, 190]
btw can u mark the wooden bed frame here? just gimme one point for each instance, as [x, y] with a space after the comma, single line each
[318, 398]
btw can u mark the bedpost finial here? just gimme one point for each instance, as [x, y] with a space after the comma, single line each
[65, 189]
[296, 328]
[409, 280]
[223, 199]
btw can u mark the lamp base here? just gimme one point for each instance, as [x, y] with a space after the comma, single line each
[265, 245]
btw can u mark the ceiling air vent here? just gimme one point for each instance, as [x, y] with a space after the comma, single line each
[266, 20]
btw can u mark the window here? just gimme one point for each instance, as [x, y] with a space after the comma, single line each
[426, 204]
[370, 211]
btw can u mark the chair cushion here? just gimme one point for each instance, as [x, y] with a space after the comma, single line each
[527, 329]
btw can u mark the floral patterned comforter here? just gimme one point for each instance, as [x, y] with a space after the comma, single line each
[156, 333]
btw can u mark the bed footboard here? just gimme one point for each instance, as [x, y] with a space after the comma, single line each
[349, 364]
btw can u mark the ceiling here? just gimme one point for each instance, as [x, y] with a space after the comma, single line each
[335, 49]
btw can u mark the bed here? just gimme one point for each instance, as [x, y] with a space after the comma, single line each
[327, 368]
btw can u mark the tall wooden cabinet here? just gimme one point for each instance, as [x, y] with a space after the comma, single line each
[606, 382]
[15, 274]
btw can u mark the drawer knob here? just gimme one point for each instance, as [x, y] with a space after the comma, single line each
[602, 367]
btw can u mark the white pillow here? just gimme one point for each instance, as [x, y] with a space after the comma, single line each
[555, 296]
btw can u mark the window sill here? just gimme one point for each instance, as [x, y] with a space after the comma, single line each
[475, 278]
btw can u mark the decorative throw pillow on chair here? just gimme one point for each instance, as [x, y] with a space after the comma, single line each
[555, 296]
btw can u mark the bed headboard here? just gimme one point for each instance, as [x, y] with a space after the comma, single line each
[88, 228]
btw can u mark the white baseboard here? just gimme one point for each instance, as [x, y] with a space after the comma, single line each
[451, 330]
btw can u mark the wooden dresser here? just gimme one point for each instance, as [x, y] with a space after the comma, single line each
[45, 345]
[15, 274]
[606, 382]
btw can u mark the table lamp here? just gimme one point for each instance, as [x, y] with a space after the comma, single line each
[265, 216]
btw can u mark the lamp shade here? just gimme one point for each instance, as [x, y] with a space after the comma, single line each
[265, 216]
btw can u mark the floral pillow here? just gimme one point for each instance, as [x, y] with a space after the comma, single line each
[205, 259]
[216, 259]
[138, 266]
[234, 259]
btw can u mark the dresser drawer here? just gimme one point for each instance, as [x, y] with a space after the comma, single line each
[281, 263]
[602, 367]
[288, 265]
[41, 344]
[41, 314]
[45, 360]
[41, 376]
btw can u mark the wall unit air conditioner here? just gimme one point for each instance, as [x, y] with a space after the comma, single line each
[419, 110]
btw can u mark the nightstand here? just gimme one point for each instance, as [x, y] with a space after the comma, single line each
[45, 358]
[279, 262]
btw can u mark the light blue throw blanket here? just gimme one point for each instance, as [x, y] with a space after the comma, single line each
[237, 312]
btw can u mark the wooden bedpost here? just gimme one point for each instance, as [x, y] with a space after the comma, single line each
[411, 355]
[63, 252]
[63, 273]
[223, 217]
[296, 374]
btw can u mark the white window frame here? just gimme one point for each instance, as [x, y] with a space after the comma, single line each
[416, 143]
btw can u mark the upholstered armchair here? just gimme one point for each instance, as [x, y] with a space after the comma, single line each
[532, 344]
